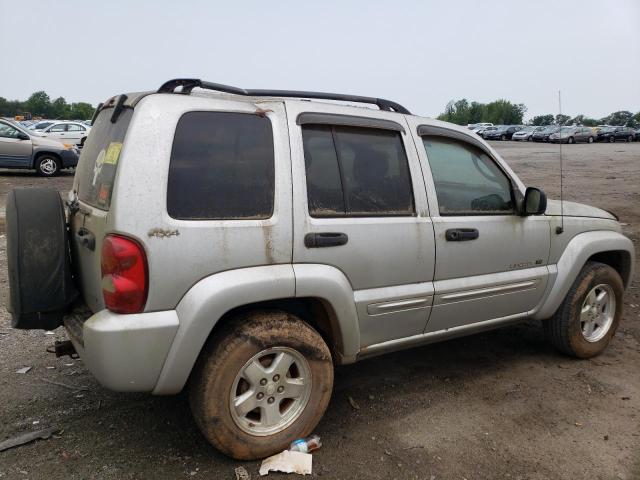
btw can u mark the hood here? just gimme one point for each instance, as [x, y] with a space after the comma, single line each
[573, 209]
[47, 142]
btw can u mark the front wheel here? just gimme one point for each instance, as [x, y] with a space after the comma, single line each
[630, 139]
[590, 313]
[570, 141]
[503, 137]
[262, 381]
[612, 139]
[590, 140]
[48, 166]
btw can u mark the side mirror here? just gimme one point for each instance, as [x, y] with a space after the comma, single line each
[22, 136]
[535, 202]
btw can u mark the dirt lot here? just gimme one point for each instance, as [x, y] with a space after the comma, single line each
[499, 405]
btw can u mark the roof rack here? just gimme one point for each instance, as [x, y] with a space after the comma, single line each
[189, 84]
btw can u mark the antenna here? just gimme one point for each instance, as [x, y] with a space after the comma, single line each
[560, 229]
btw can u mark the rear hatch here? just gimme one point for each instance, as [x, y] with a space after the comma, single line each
[93, 188]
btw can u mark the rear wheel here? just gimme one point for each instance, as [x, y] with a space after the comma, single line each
[590, 313]
[503, 137]
[590, 140]
[612, 139]
[260, 383]
[570, 140]
[48, 166]
[82, 142]
[630, 138]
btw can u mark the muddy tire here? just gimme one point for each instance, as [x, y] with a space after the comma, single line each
[261, 359]
[590, 313]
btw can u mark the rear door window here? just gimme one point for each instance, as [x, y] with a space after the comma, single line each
[354, 171]
[98, 162]
[222, 167]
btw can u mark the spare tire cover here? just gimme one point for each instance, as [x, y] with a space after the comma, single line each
[38, 258]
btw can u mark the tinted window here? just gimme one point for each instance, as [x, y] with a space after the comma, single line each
[467, 180]
[222, 167]
[98, 162]
[356, 172]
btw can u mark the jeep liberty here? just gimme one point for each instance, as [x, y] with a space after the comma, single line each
[240, 243]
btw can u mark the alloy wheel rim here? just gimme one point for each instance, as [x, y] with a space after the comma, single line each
[597, 313]
[270, 391]
[48, 166]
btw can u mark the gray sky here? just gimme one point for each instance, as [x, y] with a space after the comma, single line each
[421, 53]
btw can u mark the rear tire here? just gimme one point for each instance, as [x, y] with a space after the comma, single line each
[48, 165]
[82, 142]
[240, 359]
[503, 138]
[630, 139]
[570, 141]
[574, 328]
[612, 139]
[590, 140]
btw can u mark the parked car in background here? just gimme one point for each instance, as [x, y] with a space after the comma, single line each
[503, 132]
[476, 126]
[612, 134]
[543, 135]
[22, 148]
[481, 130]
[525, 133]
[68, 132]
[41, 125]
[573, 135]
[637, 135]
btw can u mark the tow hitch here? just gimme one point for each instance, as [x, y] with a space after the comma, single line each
[64, 348]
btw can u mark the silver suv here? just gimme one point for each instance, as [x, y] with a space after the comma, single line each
[243, 242]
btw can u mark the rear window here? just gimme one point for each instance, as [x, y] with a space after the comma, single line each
[98, 162]
[222, 167]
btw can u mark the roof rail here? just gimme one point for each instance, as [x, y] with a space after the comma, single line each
[189, 84]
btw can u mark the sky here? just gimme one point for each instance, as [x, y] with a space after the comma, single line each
[421, 54]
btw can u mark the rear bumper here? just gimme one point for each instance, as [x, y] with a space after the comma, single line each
[123, 352]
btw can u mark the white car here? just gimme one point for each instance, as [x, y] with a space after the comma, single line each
[525, 133]
[68, 132]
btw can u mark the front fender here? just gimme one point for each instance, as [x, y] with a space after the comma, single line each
[206, 302]
[578, 251]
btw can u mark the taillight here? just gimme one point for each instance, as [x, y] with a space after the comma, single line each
[124, 274]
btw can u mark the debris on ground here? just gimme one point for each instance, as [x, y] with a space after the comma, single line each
[287, 462]
[306, 445]
[28, 437]
[353, 403]
[70, 387]
[242, 474]
[23, 370]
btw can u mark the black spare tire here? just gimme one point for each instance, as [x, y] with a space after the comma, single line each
[38, 259]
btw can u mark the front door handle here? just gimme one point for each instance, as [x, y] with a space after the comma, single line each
[461, 234]
[325, 239]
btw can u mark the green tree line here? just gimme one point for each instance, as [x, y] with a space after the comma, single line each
[40, 105]
[504, 112]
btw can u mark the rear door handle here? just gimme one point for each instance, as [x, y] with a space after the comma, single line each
[325, 239]
[461, 234]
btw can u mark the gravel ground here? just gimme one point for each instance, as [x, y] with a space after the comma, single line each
[498, 405]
